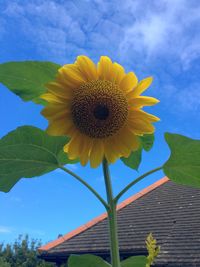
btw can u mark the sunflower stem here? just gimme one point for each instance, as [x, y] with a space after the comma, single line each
[87, 185]
[134, 182]
[112, 218]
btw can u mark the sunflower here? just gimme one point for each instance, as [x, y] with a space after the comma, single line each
[99, 108]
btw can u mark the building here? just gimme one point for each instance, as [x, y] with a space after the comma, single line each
[168, 210]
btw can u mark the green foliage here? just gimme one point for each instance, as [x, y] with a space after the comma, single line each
[135, 261]
[3, 263]
[183, 166]
[134, 160]
[86, 260]
[23, 253]
[27, 79]
[28, 152]
[143, 261]
[147, 141]
[153, 250]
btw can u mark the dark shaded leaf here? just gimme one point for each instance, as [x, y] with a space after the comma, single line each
[135, 261]
[86, 260]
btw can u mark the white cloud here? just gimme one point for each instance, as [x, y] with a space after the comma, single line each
[142, 34]
[182, 100]
[2, 27]
[133, 29]
[164, 28]
[32, 231]
[15, 199]
[49, 26]
[189, 98]
[72, 167]
[190, 53]
[5, 230]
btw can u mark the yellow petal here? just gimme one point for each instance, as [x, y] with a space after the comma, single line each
[120, 146]
[134, 142]
[51, 98]
[74, 146]
[141, 126]
[105, 68]
[59, 90]
[60, 126]
[87, 68]
[140, 114]
[128, 138]
[70, 76]
[56, 116]
[129, 82]
[52, 109]
[118, 73]
[110, 150]
[97, 153]
[66, 148]
[85, 150]
[141, 101]
[142, 86]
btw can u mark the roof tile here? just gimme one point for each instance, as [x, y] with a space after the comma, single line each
[168, 210]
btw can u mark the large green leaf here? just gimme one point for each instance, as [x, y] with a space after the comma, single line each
[27, 78]
[28, 152]
[134, 160]
[86, 260]
[135, 261]
[183, 166]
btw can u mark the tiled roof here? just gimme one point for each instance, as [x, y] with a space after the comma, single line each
[168, 210]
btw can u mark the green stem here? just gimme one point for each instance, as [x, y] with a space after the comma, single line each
[112, 218]
[87, 185]
[134, 182]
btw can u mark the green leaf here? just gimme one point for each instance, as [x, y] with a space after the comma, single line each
[183, 166]
[147, 141]
[134, 160]
[86, 260]
[27, 78]
[28, 152]
[135, 261]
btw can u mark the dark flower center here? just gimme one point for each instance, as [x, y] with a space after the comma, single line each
[99, 109]
[101, 112]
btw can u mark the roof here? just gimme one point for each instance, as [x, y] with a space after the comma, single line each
[168, 210]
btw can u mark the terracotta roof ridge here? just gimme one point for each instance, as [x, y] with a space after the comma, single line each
[103, 216]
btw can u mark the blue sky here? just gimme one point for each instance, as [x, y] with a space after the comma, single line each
[158, 38]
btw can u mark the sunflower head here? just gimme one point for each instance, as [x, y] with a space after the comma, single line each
[100, 108]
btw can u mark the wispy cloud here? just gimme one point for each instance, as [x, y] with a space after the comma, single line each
[189, 99]
[72, 167]
[163, 28]
[32, 231]
[24, 230]
[5, 229]
[2, 27]
[152, 36]
[128, 30]
[15, 199]
[185, 99]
